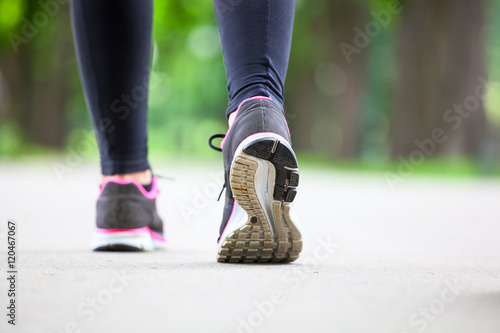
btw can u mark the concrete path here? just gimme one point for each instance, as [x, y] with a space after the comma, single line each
[421, 257]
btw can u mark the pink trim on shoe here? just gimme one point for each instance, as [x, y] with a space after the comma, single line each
[238, 110]
[156, 236]
[150, 195]
[138, 231]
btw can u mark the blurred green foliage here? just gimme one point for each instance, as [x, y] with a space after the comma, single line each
[188, 86]
[188, 95]
[493, 61]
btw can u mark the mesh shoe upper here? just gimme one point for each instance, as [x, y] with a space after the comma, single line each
[126, 206]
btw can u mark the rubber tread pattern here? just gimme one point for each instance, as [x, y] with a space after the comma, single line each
[263, 240]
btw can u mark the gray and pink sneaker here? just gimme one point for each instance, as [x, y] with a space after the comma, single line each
[126, 218]
[259, 223]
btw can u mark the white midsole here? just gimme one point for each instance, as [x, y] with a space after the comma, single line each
[140, 241]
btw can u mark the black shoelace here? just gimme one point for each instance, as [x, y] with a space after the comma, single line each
[217, 136]
[164, 177]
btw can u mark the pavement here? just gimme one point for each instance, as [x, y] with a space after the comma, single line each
[422, 256]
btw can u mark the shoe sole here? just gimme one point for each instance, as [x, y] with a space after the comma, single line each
[133, 240]
[264, 179]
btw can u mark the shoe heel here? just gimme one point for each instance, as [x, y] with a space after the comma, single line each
[264, 179]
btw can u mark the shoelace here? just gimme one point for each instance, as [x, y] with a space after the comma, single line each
[164, 177]
[217, 136]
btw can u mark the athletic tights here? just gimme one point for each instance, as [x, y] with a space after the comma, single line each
[113, 47]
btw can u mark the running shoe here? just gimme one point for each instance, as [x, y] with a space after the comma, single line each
[127, 219]
[259, 223]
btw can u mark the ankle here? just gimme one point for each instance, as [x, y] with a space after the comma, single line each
[144, 177]
[232, 115]
[230, 119]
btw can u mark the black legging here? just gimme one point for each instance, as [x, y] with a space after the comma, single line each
[113, 46]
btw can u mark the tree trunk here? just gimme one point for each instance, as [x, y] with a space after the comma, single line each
[36, 80]
[17, 78]
[324, 94]
[51, 91]
[441, 77]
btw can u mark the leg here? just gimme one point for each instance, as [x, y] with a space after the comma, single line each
[113, 46]
[261, 171]
[256, 37]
